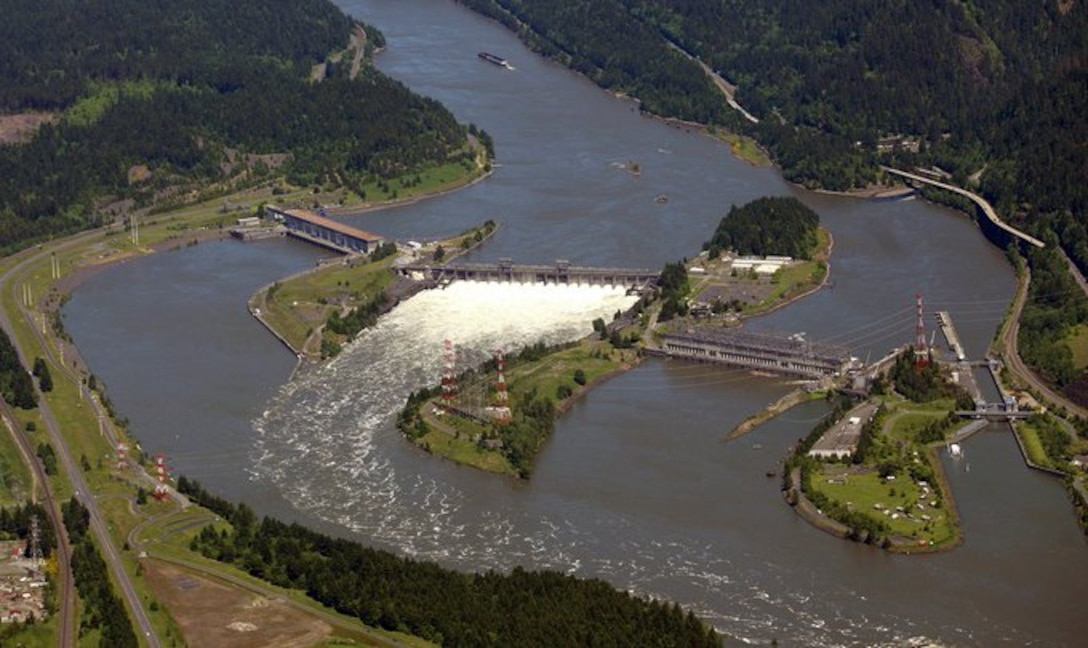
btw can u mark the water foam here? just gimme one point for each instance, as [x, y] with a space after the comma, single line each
[327, 442]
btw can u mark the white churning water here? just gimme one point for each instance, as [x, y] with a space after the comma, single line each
[326, 438]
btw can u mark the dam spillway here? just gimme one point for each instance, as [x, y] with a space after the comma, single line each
[561, 273]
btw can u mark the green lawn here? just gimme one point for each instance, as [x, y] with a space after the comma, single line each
[864, 491]
[1077, 341]
[1032, 445]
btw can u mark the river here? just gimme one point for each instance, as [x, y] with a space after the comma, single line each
[637, 486]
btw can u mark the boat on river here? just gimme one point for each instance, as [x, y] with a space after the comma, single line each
[494, 59]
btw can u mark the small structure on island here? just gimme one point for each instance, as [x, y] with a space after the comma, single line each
[840, 441]
[501, 411]
[449, 375]
[162, 491]
[767, 265]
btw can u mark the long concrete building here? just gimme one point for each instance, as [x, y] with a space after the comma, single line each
[783, 354]
[326, 232]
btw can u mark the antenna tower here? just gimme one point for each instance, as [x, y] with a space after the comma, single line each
[35, 548]
[449, 375]
[921, 350]
[502, 409]
[162, 491]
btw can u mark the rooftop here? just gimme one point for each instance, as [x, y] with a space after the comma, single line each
[330, 224]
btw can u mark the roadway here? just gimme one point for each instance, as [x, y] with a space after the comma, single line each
[986, 207]
[105, 541]
[1016, 364]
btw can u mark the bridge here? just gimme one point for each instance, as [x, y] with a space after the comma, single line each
[983, 204]
[995, 412]
[505, 270]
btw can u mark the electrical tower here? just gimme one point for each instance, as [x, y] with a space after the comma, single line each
[35, 548]
[122, 455]
[502, 398]
[162, 491]
[449, 376]
[921, 349]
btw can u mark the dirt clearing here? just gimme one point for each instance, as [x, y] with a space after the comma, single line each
[211, 614]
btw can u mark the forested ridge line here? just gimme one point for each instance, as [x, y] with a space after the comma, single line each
[842, 86]
[151, 101]
[993, 94]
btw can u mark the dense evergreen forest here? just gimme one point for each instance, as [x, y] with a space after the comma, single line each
[775, 226]
[993, 93]
[150, 100]
[16, 386]
[522, 608]
[838, 85]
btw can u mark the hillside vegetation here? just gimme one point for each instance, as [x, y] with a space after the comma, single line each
[987, 82]
[994, 93]
[775, 226]
[153, 102]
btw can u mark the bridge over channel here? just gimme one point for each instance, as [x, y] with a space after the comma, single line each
[982, 203]
[562, 273]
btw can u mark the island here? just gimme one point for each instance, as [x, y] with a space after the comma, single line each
[745, 269]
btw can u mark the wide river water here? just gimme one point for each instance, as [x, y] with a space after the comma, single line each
[637, 486]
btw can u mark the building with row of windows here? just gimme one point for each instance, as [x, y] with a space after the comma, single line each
[323, 231]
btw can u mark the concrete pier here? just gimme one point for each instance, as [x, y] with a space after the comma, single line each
[944, 320]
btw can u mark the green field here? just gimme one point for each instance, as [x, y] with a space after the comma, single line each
[895, 502]
[1077, 341]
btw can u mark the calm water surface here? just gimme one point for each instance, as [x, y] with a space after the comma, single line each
[637, 485]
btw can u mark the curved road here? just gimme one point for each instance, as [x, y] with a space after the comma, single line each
[986, 207]
[1016, 364]
[109, 550]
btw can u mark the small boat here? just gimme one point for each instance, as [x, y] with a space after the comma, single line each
[494, 59]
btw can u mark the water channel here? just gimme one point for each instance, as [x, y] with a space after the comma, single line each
[637, 486]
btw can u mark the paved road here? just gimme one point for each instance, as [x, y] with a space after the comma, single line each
[79, 483]
[1016, 364]
[987, 208]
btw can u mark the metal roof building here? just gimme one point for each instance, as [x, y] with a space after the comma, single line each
[326, 232]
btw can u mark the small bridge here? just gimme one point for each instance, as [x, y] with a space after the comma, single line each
[983, 204]
[995, 412]
[505, 270]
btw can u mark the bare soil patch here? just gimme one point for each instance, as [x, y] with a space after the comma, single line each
[18, 129]
[211, 614]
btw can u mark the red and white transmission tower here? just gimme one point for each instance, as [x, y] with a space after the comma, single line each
[921, 350]
[449, 376]
[122, 455]
[502, 398]
[161, 489]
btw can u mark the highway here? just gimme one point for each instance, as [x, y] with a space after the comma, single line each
[1016, 364]
[105, 542]
[986, 207]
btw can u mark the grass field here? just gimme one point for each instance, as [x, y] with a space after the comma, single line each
[1032, 445]
[901, 503]
[1077, 341]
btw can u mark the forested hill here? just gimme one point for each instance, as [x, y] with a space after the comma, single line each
[842, 85]
[781, 226]
[149, 99]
